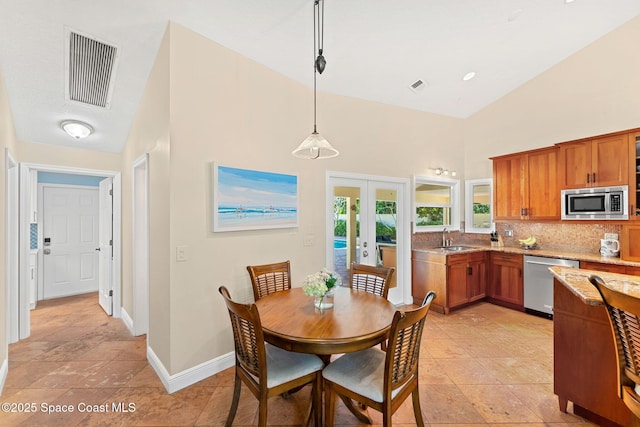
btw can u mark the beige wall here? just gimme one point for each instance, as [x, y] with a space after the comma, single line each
[595, 91]
[150, 134]
[7, 141]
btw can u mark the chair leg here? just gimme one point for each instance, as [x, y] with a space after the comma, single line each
[262, 412]
[317, 399]
[415, 396]
[329, 404]
[234, 402]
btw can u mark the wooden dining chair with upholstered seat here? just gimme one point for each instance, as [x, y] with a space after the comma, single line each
[265, 369]
[375, 280]
[269, 278]
[624, 313]
[379, 379]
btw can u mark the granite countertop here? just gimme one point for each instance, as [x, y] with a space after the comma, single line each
[551, 253]
[577, 281]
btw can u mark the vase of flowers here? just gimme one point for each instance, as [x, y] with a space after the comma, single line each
[321, 285]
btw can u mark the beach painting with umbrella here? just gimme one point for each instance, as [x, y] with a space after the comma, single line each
[245, 199]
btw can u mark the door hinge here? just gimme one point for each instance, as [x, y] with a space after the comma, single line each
[110, 242]
[111, 191]
[110, 293]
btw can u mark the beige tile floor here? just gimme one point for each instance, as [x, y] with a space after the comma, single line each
[480, 366]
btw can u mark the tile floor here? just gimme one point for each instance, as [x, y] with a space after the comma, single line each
[480, 366]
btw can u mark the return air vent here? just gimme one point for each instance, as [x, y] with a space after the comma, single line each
[418, 85]
[90, 66]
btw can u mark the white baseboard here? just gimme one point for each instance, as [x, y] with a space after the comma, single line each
[4, 370]
[189, 376]
[128, 321]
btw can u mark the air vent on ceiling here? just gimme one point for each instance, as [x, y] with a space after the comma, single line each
[90, 66]
[418, 85]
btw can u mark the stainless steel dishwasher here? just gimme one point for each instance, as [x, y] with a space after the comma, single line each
[538, 283]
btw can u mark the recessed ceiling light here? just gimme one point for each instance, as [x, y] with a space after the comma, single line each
[469, 76]
[568, 1]
[76, 129]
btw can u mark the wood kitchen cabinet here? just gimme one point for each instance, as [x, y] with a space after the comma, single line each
[526, 185]
[634, 176]
[603, 266]
[506, 285]
[596, 162]
[457, 279]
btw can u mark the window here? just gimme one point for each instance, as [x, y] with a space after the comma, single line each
[477, 208]
[437, 204]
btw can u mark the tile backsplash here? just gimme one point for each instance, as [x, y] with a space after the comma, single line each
[570, 237]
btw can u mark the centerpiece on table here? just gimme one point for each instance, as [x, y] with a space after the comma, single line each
[321, 285]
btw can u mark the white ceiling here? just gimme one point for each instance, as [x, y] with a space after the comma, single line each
[374, 49]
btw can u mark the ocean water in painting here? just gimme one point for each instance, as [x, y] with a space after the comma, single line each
[252, 199]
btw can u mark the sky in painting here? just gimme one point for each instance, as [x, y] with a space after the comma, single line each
[243, 187]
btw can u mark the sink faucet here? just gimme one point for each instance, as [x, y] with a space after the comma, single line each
[445, 242]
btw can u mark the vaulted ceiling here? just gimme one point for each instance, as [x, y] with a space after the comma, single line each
[375, 50]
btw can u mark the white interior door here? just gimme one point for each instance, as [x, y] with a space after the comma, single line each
[105, 247]
[368, 224]
[70, 238]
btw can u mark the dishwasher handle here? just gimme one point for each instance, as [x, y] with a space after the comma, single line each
[545, 263]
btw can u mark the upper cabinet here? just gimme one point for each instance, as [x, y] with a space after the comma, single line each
[634, 176]
[597, 162]
[526, 185]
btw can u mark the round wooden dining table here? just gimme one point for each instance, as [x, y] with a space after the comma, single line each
[357, 320]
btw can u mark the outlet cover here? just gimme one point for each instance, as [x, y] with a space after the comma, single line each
[611, 236]
[508, 233]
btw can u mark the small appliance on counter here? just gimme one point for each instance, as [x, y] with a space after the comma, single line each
[610, 245]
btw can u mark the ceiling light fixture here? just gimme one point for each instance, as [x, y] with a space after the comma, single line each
[315, 146]
[469, 76]
[76, 128]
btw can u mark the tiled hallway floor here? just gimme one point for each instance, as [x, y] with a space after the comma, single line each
[480, 366]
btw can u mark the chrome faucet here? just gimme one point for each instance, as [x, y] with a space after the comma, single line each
[445, 242]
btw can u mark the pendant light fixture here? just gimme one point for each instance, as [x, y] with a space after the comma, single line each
[315, 146]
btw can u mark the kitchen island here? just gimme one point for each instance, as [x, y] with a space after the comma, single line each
[585, 367]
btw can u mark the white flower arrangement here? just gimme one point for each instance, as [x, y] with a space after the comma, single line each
[318, 284]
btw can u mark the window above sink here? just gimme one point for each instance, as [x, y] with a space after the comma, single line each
[436, 204]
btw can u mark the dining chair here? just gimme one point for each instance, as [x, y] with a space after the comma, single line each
[269, 278]
[375, 280]
[379, 379]
[623, 311]
[265, 369]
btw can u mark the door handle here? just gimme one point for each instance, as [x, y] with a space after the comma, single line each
[365, 253]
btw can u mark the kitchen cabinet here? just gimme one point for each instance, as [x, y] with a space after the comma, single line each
[457, 279]
[634, 176]
[602, 266]
[526, 185]
[584, 360]
[506, 285]
[596, 162]
[630, 242]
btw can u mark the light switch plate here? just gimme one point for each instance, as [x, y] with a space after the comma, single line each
[181, 253]
[611, 236]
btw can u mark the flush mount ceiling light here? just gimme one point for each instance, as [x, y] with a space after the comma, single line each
[76, 129]
[315, 146]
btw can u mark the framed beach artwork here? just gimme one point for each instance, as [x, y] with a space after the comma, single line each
[245, 199]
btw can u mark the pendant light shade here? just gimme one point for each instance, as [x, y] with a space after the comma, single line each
[315, 146]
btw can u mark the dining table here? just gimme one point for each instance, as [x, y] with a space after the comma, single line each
[358, 320]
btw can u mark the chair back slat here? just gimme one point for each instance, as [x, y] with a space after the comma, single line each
[375, 280]
[403, 350]
[248, 338]
[269, 278]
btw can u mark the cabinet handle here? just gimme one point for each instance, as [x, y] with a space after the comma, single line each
[469, 271]
[594, 177]
[588, 178]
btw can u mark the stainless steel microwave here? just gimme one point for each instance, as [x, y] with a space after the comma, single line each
[600, 203]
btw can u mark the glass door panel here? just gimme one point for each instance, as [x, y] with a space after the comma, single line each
[346, 228]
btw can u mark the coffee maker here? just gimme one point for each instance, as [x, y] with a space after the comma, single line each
[610, 245]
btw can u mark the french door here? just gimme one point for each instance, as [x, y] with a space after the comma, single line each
[367, 223]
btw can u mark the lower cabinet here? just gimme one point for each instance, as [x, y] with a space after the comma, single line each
[506, 285]
[610, 268]
[457, 279]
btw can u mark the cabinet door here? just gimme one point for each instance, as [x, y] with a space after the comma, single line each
[610, 161]
[505, 279]
[457, 280]
[508, 186]
[476, 279]
[575, 165]
[630, 243]
[544, 191]
[634, 176]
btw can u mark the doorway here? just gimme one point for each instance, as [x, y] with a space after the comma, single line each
[368, 223]
[28, 216]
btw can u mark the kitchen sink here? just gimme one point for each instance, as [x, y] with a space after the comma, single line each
[454, 248]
